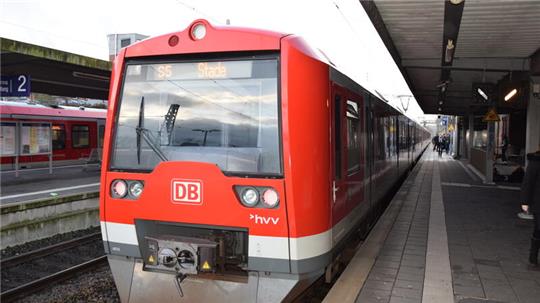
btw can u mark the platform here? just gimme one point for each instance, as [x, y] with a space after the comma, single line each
[34, 184]
[445, 237]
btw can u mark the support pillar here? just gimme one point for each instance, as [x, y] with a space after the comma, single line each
[471, 136]
[532, 132]
[489, 153]
[455, 138]
[463, 138]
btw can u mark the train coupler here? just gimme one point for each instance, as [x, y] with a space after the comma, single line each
[179, 255]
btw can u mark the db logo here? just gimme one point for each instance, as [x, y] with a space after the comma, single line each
[187, 191]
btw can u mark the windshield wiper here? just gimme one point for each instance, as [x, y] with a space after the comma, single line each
[144, 133]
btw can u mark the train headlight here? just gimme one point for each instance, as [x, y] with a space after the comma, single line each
[250, 196]
[270, 198]
[136, 189]
[198, 31]
[118, 189]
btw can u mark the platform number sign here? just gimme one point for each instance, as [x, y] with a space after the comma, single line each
[15, 86]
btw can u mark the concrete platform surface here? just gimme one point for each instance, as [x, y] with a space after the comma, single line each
[454, 240]
[36, 184]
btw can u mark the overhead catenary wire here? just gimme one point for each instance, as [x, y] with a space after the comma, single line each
[199, 12]
[50, 33]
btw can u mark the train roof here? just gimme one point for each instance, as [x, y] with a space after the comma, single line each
[219, 39]
[11, 109]
[216, 39]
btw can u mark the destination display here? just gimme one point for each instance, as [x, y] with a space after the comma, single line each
[193, 71]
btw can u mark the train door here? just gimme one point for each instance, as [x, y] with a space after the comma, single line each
[397, 143]
[354, 164]
[100, 139]
[59, 141]
[100, 133]
[371, 155]
[81, 140]
[409, 144]
[370, 168]
[339, 190]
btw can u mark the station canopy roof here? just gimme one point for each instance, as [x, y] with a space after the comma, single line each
[444, 48]
[56, 72]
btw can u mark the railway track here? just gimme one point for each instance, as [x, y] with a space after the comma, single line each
[29, 272]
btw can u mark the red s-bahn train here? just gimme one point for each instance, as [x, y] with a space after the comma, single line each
[74, 133]
[236, 162]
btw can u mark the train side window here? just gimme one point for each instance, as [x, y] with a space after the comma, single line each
[337, 137]
[353, 140]
[80, 136]
[58, 137]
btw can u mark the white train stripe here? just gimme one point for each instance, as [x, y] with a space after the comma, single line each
[259, 246]
[103, 229]
[264, 246]
[121, 233]
[310, 246]
[268, 247]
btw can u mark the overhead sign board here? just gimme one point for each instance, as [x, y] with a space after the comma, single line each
[444, 121]
[15, 86]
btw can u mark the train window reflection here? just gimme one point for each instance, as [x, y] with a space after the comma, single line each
[80, 136]
[58, 137]
[224, 113]
[353, 140]
[337, 137]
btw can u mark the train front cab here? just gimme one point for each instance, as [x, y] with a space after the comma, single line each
[200, 201]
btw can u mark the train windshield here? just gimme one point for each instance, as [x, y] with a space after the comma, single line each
[221, 112]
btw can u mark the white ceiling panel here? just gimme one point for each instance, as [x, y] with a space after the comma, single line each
[416, 27]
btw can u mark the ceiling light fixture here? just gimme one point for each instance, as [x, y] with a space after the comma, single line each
[481, 92]
[510, 94]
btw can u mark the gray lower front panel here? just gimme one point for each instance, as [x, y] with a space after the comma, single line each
[136, 285]
[294, 266]
[122, 249]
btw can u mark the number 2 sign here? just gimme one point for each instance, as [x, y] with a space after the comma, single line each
[15, 86]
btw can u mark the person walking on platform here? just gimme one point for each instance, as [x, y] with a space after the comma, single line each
[530, 199]
[441, 145]
[435, 142]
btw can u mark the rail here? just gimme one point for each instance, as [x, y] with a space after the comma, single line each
[48, 250]
[36, 285]
[27, 288]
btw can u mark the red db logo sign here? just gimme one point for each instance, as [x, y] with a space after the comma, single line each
[187, 191]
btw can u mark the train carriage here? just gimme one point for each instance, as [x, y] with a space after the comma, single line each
[236, 163]
[75, 132]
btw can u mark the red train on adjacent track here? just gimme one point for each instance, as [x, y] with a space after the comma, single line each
[237, 162]
[74, 133]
